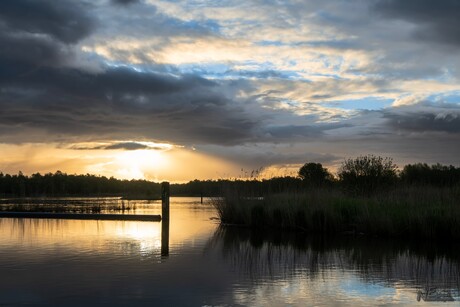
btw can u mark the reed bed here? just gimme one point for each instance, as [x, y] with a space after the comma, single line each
[415, 212]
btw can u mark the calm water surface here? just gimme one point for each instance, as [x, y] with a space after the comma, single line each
[71, 262]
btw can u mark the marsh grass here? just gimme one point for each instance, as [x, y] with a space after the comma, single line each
[416, 212]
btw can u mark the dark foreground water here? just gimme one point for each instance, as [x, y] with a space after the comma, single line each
[71, 262]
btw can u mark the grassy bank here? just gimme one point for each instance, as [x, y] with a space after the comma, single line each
[415, 212]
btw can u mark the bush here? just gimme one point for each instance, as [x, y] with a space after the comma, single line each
[366, 175]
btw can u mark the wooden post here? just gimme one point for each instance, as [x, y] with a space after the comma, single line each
[165, 200]
[201, 192]
[165, 219]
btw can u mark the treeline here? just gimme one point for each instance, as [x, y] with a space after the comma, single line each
[361, 175]
[369, 174]
[253, 187]
[435, 175]
[62, 184]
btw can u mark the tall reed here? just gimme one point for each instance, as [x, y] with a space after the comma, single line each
[416, 212]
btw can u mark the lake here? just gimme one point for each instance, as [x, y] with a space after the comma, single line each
[81, 262]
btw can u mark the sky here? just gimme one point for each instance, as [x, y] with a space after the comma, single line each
[178, 90]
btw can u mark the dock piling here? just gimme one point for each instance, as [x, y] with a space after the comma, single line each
[165, 200]
[165, 219]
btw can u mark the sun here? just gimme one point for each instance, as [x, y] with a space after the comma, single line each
[137, 164]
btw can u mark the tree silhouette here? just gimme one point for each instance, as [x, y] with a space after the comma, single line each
[314, 174]
[367, 174]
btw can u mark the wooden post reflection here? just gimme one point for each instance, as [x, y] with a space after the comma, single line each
[165, 238]
[164, 219]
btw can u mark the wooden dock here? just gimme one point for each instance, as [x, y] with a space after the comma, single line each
[82, 216]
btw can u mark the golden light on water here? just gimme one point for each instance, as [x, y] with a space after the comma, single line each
[127, 237]
[147, 235]
[137, 231]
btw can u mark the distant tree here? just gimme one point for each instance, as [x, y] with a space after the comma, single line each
[314, 174]
[367, 174]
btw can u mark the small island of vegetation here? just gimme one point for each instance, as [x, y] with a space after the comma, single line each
[368, 196]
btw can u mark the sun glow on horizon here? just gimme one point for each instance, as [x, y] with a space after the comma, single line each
[135, 164]
[166, 163]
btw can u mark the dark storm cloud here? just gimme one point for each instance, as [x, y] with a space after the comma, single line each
[125, 2]
[127, 146]
[120, 85]
[290, 131]
[27, 50]
[117, 145]
[437, 20]
[425, 122]
[37, 33]
[66, 21]
[119, 102]
[298, 132]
